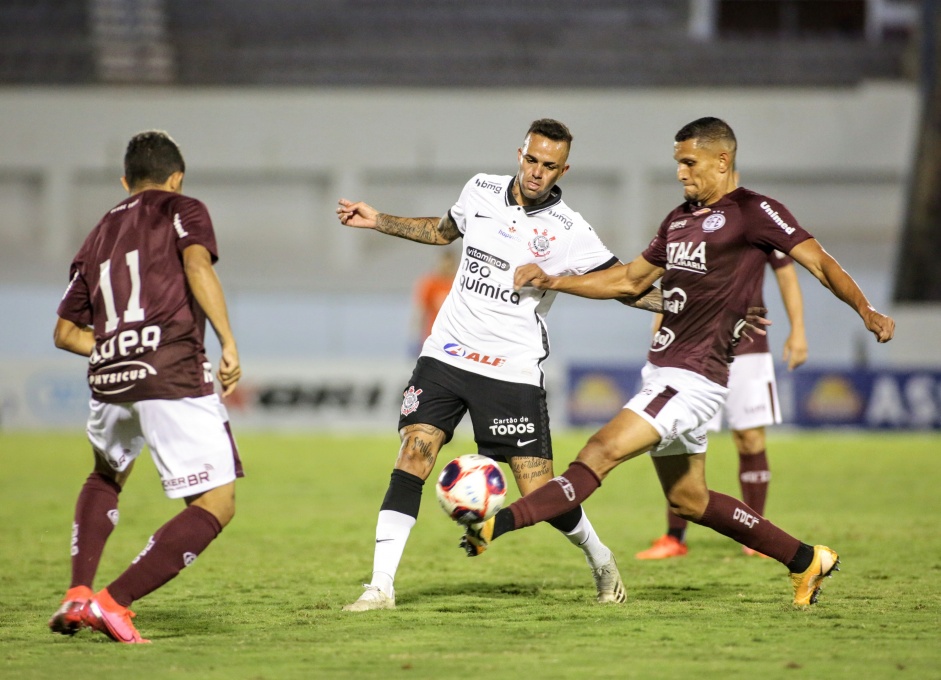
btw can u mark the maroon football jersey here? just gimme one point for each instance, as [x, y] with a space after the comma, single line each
[759, 343]
[714, 259]
[127, 282]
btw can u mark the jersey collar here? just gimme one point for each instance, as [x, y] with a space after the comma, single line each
[555, 197]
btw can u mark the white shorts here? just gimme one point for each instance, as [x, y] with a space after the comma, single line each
[189, 440]
[753, 394]
[678, 403]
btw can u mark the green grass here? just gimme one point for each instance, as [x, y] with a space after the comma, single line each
[264, 600]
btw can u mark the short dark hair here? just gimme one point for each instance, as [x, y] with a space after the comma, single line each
[551, 129]
[152, 156]
[709, 130]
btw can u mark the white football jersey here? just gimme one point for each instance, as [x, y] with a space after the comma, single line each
[484, 326]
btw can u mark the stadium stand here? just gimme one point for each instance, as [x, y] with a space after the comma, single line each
[440, 43]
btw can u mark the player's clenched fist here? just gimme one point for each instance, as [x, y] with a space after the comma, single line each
[531, 275]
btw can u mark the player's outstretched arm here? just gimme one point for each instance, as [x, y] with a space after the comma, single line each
[73, 338]
[795, 346]
[202, 280]
[620, 281]
[828, 271]
[432, 230]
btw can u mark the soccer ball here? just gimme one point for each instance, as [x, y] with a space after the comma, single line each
[471, 489]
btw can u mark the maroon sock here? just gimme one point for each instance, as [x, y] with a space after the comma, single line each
[754, 477]
[175, 545]
[732, 518]
[676, 526]
[96, 514]
[561, 494]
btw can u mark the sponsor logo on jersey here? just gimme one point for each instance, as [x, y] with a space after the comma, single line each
[488, 185]
[456, 350]
[410, 400]
[702, 211]
[674, 299]
[687, 255]
[492, 260]
[178, 225]
[676, 224]
[541, 242]
[776, 218]
[483, 217]
[564, 219]
[513, 426]
[713, 223]
[509, 235]
[481, 287]
[119, 377]
[663, 339]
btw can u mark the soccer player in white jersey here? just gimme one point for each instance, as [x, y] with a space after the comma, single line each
[752, 404]
[141, 289]
[710, 251]
[485, 352]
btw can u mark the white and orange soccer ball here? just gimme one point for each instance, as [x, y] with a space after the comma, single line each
[471, 489]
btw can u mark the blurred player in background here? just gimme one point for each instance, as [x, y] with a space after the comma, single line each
[142, 286]
[430, 291]
[485, 352]
[751, 405]
[711, 251]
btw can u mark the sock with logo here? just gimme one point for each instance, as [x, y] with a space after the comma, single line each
[754, 477]
[583, 535]
[175, 545]
[560, 495]
[397, 515]
[96, 515]
[731, 517]
[676, 526]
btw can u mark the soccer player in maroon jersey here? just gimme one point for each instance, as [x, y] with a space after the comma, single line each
[142, 287]
[752, 404]
[709, 251]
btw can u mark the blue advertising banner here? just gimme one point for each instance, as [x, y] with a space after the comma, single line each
[596, 392]
[884, 399]
[880, 399]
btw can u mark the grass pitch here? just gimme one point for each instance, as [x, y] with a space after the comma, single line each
[263, 602]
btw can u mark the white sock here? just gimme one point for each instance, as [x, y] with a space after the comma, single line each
[392, 530]
[584, 536]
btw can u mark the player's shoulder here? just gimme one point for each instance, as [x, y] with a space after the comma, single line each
[486, 183]
[752, 201]
[571, 219]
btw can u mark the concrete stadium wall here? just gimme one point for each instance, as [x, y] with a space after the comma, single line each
[270, 164]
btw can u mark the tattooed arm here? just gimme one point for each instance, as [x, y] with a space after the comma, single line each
[432, 230]
[652, 300]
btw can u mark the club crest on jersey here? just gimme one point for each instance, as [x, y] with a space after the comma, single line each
[713, 223]
[539, 246]
[410, 402]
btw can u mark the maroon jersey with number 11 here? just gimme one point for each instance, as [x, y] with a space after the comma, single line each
[714, 259]
[128, 284]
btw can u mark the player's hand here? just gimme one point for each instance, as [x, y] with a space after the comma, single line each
[882, 326]
[754, 323]
[358, 214]
[531, 275]
[230, 371]
[795, 350]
